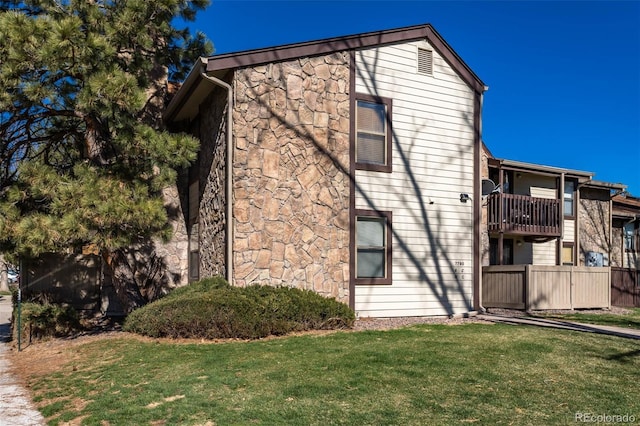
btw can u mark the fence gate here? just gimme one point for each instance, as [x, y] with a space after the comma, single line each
[625, 287]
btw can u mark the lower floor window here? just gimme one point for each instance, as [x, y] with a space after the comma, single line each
[567, 254]
[373, 247]
[507, 251]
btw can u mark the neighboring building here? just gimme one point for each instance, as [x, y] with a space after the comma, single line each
[626, 232]
[541, 215]
[350, 166]
[625, 262]
[548, 237]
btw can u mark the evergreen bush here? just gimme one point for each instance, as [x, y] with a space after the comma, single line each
[45, 320]
[212, 309]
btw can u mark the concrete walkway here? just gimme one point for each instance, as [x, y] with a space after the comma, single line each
[16, 408]
[628, 333]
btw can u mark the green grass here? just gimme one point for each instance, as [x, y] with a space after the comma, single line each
[428, 374]
[631, 320]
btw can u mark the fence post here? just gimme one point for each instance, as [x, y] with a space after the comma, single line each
[609, 286]
[572, 287]
[525, 285]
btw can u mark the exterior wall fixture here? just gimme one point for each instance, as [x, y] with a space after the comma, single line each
[464, 198]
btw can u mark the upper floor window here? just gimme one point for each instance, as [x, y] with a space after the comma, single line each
[629, 237]
[569, 197]
[373, 133]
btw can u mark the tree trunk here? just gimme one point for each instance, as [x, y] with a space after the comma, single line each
[123, 280]
[4, 275]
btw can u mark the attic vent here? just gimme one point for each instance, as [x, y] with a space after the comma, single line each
[425, 61]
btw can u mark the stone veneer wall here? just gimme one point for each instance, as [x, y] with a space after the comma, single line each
[595, 223]
[174, 251]
[290, 167]
[617, 246]
[212, 179]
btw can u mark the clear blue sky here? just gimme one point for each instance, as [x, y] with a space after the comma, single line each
[563, 77]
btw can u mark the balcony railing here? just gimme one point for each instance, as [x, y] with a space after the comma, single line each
[523, 215]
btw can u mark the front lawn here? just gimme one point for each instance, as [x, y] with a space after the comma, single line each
[626, 320]
[421, 375]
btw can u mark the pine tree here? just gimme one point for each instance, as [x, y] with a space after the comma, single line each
[83, 155]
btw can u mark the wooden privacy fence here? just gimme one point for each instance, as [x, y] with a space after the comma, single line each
[539, 287]
[625, 287]
[70, 279]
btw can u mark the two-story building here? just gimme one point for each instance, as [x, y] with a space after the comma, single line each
[348, 165]
[625, 255]
[546, 219]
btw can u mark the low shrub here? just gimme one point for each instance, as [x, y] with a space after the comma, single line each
[42, 321]
[199, 287]
[212, 309]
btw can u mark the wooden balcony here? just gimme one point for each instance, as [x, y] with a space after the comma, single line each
[523, 215]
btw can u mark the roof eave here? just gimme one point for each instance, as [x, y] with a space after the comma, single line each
[533, 168]
[605, 185]
[223, 62]
[182, 95]
[348, 43]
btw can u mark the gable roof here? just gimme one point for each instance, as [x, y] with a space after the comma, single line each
[626, 206]
[220, 64]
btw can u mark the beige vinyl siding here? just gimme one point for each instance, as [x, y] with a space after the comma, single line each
[544, 253]
[534, 185]
[432, 166]
[569, 234]
[548, 193]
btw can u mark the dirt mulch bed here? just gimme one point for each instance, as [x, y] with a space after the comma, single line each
[398, 322]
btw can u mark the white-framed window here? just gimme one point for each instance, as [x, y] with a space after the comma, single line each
[373, 247]
[373, 133]
[629, 237]
[569, 198]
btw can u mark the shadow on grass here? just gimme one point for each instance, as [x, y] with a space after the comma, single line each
[625, 356]
[613, 320]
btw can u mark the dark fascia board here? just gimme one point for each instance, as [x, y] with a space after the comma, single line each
[539, 169]
[348, 43]
[186, 102]
[598, 184]
[182, 105]
[184, 93]
[627, 202]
